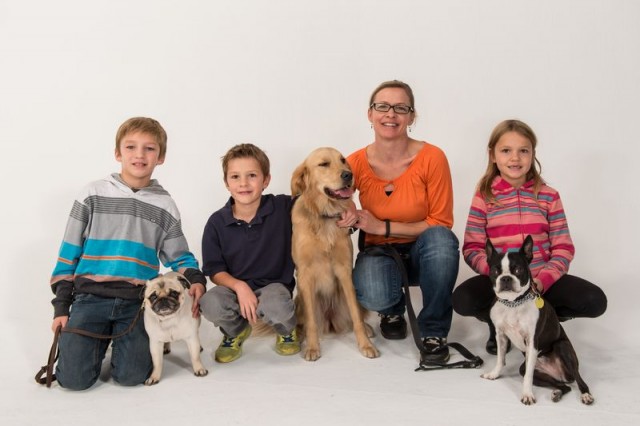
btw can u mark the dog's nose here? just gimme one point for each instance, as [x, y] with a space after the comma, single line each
[346, 176]
[506, 282]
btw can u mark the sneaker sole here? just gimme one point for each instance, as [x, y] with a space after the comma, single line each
[393, 336]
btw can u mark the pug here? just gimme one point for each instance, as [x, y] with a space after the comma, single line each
[167, 318]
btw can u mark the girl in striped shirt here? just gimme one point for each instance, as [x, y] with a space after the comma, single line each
[511, 202]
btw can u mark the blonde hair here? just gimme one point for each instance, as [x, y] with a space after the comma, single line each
[484, 186]
[144, 125]
[246, 150]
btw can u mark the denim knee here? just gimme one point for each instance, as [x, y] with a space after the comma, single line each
[75, 382]
[377, 282]
[435, 258]
[440, 238]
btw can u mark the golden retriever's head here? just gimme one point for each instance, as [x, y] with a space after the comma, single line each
[324, 175]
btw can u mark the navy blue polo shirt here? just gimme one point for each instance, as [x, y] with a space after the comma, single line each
[258, 252]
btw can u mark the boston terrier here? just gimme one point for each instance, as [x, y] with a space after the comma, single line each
[521, 315]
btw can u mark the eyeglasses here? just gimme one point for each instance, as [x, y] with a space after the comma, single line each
[398, 109]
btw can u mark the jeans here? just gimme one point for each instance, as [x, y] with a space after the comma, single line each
[81, 357]
[433, 264]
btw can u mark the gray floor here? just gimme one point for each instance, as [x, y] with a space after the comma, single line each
[341, 388]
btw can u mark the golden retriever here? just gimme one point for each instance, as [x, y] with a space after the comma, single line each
[323, 252]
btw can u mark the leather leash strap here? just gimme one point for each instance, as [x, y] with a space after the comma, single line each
[47, 370]
[472, 361]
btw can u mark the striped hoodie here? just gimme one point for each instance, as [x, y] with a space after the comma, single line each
[515, 214]
[116, 237]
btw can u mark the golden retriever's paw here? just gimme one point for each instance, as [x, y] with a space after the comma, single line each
[312, 354]
[369, 351]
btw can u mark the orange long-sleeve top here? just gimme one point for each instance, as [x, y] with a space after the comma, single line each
[423, 192]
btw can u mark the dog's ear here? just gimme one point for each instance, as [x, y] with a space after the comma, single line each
[185, 282]
[299, 180]
[527, 249]
[489, 249]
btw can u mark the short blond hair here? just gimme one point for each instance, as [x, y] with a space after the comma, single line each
[246, 150]
[144, 125]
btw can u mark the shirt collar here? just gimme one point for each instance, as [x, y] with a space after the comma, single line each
[500, 184]
[265, 209]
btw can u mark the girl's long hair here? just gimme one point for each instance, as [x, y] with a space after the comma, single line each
[484, 186]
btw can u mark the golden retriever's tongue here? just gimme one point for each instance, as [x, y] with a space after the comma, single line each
[344, 192]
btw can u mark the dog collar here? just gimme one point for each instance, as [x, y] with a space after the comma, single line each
[519, 301]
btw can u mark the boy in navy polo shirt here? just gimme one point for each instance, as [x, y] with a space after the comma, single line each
[246, 250]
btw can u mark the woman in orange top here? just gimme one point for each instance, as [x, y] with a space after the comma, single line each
[406, 196]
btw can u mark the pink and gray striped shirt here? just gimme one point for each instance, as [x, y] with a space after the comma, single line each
[515, 214]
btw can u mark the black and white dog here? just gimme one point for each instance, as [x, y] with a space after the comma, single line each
[520, 315]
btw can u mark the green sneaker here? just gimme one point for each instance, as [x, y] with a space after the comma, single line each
[289, 344]
[230, 348]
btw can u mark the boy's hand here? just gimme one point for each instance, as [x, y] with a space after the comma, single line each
[196, 291]
[248, 302]
[60, 321]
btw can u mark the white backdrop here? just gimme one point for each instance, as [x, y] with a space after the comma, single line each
[291, 76]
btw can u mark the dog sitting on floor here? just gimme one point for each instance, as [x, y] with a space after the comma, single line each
[323, 253]
[521, 315]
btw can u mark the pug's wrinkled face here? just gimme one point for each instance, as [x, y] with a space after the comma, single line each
[165, 294]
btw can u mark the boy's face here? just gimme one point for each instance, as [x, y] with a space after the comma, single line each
[139, 154]
[245, 181]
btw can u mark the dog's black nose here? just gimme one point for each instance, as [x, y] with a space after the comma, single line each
[346, 176]
[506, 283]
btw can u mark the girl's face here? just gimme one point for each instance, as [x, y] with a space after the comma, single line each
[513, 155]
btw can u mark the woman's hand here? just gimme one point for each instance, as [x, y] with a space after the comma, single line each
[348, 218]
[370, 224]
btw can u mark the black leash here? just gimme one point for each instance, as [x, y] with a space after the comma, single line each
[472, 361]
[45, 375]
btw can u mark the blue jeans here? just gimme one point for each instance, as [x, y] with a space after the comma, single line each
[433, 264]
[81, 357]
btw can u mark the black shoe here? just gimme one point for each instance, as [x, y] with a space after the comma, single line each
[492, 345]
[435, 350]
[393, 327]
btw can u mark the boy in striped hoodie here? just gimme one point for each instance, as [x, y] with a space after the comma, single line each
[512, 201]
[119, 230]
